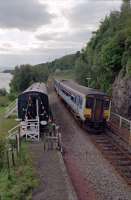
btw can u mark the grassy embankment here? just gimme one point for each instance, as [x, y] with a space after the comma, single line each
[5, 124]
[17, 184]
[65, 74]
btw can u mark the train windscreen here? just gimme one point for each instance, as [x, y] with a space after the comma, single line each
[98, 109]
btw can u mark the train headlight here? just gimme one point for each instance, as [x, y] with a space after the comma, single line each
[87, 113]
[106, 114]
[43, 123]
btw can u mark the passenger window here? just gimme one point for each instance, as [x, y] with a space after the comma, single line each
[80, 102]
[89, 102]
[106, 105]
[72, 97]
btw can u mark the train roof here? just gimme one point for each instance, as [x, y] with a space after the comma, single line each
[37, 87]
[81, 89]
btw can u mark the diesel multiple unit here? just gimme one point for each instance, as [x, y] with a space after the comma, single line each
[90, 106]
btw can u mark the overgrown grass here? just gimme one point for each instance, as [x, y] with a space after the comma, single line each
[18, 184]
[4, 101]
[6, 124]
[65, 74]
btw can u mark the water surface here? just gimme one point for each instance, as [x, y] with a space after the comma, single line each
[5, 79]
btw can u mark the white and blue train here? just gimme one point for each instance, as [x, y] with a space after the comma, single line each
[90, 106]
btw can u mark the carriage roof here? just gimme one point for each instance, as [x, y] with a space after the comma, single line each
[37, 87]
[82, 89]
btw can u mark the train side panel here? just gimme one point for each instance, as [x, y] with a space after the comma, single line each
[74, 99]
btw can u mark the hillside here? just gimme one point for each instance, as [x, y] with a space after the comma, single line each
[64, 63]
[109, 50]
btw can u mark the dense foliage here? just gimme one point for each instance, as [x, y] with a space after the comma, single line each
[65, 63]
[3, 92]
[25, 75]
[108, 52]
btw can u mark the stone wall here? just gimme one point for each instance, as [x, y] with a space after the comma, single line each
[121, 96]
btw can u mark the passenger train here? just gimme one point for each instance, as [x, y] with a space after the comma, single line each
[90, 106]
[33, 103]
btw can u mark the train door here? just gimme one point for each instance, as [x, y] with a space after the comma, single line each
[31, 107]
[98, 109]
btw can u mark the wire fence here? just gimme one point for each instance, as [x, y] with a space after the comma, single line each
[10, 149]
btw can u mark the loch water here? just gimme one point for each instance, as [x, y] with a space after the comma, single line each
[5, 79]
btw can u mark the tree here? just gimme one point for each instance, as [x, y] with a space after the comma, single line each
[25, 75]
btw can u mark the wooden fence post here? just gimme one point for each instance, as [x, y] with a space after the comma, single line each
[8, 162]
[12, 154]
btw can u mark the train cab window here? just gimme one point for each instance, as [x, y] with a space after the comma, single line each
[72, 97]
[106, 104]
[89, 102]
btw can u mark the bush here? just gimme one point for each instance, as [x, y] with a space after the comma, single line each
[129, 66]
[22, 179]
[3, 92]
[4, 101]
[12, 96]
[2, 149]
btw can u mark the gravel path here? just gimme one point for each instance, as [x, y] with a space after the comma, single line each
[54, 180]
[101, 176]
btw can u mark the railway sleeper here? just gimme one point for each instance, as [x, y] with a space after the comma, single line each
[102, 141]
[109, 148]
[124, 162]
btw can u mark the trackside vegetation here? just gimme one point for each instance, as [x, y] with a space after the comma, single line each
[17, 176]
[18, 182]
[108, 52]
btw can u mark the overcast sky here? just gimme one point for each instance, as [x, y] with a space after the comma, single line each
[35, 31]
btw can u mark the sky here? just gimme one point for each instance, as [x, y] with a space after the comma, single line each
[37, 31]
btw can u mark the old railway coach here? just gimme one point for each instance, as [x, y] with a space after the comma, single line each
[90, 106]
[33, 104]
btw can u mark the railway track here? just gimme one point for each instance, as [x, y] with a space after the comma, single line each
[112, 150]
[117, 155]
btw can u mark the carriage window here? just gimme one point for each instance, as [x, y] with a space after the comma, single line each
[89, 102]
[80, 102]
[106, 105]
[72, 98]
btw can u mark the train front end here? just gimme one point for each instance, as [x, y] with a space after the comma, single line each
[97, 112]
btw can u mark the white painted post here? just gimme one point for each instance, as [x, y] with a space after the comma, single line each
[38, 128]
[120, 122]
[130, 134]
[37, 108]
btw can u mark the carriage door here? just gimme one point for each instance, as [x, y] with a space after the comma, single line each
[98, 109]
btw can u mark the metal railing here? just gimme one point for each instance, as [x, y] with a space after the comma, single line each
[121, 121]
[11, 108]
